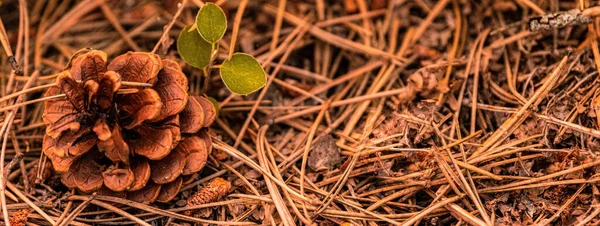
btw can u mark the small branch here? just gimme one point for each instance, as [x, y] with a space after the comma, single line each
[560, 19]
[12, 164]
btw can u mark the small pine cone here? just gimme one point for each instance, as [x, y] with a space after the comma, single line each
[213, 191]
[19, 218]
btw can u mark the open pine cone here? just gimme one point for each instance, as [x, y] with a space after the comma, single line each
[134, 142]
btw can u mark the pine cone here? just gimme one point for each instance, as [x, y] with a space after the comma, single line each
[109, 134]
[213, 191]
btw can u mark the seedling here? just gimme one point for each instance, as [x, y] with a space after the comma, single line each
[198, 44]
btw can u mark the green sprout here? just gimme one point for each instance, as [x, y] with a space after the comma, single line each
[197, 45]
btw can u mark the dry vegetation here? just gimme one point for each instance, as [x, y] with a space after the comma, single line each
[376, 112]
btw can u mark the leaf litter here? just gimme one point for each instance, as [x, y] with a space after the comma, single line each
[410, 113]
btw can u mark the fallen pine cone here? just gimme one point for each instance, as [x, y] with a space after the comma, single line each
[19, 217]
[140, 142]
[215, 189]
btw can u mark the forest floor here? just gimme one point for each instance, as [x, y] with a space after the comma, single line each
[376, 112]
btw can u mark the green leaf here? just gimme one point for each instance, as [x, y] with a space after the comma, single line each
[242, 74]
[193, 49]
[211, 22]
